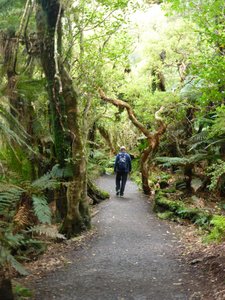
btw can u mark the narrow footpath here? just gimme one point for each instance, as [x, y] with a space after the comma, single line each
[134, 256]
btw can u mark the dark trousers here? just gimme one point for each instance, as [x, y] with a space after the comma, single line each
[121, 179]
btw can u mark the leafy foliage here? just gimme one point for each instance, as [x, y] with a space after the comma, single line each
[22, 292]
[181, 161]
[218, 229]
[9, 11]
[215, 171]
[47, 181]
[17, 206]
[9, 197]
[6, 258]
[7, 121]
[41, 209]
[48, 231]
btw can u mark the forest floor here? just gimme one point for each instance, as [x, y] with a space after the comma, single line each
[129, 254]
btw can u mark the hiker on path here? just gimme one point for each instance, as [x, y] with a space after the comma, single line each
[122, 167]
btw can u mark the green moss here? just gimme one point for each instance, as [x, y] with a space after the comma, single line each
[162, 203]
[170, 190]
[175, 210]
[167, 215]
[96, 193]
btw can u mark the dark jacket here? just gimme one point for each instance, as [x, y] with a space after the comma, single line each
[128, 162]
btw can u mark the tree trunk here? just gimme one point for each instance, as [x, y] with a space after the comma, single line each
[6, 292]
[145, 167]
[63, 98]
[105, 134]
[158, 81]
[77, 195]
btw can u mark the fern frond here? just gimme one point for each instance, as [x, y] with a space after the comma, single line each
[198, 157]
[41, 209]
[48, 231]
[45, 182]
[59, 172]
[170, 161]
[9, 197]
[18, 134]
[7, 258]
[216, 142]
[13, 121]
[22, 216]
[11, 240]
[197, 140]
[181, 161]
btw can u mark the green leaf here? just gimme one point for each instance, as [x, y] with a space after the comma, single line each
[41, 209]
[6, 257]
[45, 182]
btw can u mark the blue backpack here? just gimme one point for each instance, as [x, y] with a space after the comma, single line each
[122, 162]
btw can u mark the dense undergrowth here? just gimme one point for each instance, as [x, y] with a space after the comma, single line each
[213, 225]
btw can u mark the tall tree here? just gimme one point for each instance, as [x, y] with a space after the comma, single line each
[64, 116]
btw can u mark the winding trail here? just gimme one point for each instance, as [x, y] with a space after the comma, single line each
[134, 256]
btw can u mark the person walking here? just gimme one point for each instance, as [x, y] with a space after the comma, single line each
[122, 167]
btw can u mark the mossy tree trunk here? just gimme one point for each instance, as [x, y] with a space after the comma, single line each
[78, 217]
[95, 193]
[64, 116]
[153, 139]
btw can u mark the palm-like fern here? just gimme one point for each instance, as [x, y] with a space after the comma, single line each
[198, 140]
[9, 197]
[6, 258]
[45, 182]
[17, 135]
[41, 209]
[181, 161]
[20, 207]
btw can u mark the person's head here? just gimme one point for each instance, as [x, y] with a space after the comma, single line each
[122, 148]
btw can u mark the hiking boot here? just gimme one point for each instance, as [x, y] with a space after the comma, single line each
[117, 193]
[121, 195]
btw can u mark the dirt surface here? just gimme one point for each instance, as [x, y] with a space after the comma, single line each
[132, 256]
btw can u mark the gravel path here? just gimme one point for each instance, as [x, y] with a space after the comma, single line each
[132, 257]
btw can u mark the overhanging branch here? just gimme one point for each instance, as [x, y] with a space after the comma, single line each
[123, 104]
